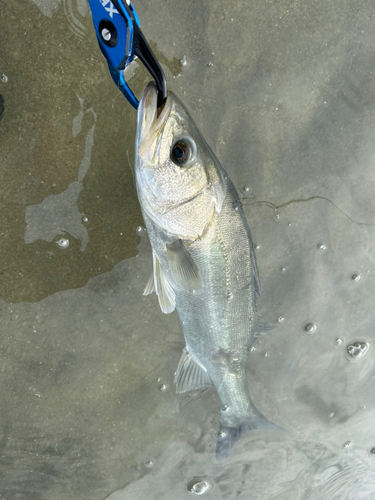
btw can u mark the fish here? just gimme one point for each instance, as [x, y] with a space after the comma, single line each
[204, 264]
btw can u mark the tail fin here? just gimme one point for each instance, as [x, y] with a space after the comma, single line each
[227, 436]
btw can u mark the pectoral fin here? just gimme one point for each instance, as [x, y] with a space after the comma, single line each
[182, 266]
[165, 293]
[150, 287]
[190, 375]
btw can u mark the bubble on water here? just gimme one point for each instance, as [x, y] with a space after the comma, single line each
[289, 223]
[322, 247]
[237, 205]
[339, 341]
[163, 387]
[225, 408]
[280, 319]
[85, 219]
[311, 328]
[139, 230]
[357, 350]
[199, 486]
[4, 78]
[347, 445]
[283, 269]
[62, 243]
[247, 192]
[331, 415]
[209, 64]
[229, 296]
[356, 277]
[277, 215]
[256, 246]
[150, 463]
[183, 61]
[222, 434]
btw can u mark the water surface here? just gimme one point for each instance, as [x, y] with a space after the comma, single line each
[284, 93]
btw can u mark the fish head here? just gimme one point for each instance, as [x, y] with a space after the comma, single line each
[180, 182]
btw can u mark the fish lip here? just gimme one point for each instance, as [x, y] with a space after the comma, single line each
[149, 118]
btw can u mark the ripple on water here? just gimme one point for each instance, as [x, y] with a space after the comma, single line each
[75, 11]
[353, 482]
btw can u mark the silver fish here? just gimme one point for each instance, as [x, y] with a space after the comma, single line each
[204, 264]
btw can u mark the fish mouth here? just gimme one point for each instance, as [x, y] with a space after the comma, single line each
[150, 118]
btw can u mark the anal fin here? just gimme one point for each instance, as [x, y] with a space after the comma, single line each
[190, 375]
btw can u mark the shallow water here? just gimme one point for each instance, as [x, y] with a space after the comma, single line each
[284, 93]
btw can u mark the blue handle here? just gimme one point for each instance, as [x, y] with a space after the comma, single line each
[114, 30]
[120, 40]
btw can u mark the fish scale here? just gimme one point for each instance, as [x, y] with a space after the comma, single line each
[204, 261]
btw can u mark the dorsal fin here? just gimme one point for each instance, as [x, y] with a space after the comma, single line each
[261, 327]
[190, 374]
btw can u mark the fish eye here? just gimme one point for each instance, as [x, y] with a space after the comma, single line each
[182, 151]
